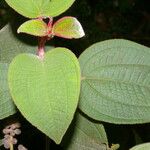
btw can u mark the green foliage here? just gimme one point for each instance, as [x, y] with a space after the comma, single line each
[46, 90]
[10, 45]
[87, 135]
[40, 8]
[116, 82]
[145, 146]
[35, 27]
[68, 27]
[115, 76]
[7, 107]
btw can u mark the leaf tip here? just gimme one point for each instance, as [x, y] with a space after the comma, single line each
[18, 30]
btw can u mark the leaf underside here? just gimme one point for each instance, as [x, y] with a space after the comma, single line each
[85, 135]
[116, 82]
[7, 107]
[40, 8]
[46, 91]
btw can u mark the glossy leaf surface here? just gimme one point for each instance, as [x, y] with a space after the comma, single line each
[116, 82]
[86, 135]
[35, 27]
[40, 8]
[68, 27]
[46, 90]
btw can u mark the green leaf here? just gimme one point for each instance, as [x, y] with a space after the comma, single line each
[7, 107]
[10, 45]
[145, 146]
[40, 8]
[35, 27]
[68, 27]
[116, 82]
[46, 90]
[86, 135]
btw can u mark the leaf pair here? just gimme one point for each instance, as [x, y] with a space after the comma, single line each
[66, 27]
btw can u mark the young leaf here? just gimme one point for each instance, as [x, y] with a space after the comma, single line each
[35, 27]
[46, 91]
[86, 135]
[40, 8]
[68, 27]
[116, 82]
[7, 107]
[145, 146]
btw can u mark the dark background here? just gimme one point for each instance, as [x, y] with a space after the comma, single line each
[101, 20]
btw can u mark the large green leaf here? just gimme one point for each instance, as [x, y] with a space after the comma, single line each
[35, 27]
[46, 90]
[68, 27]
[40, 8]
[86, 135]
[7, 107]
[145, 146]
[116, 82]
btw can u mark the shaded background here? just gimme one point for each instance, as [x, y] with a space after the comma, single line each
[101, 20]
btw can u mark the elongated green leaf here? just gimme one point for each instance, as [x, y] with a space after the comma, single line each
[7, 107]
[145, 146]
[116, 82]
[40, 8]
[68, 27]
[35, 27]
[46, 90]
[86, 135]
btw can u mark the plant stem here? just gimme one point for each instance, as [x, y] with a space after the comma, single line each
[41, 46]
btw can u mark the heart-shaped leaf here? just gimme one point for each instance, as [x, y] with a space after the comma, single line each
[145, 146]
[46, 90]
[40, 8]
[85, 135]
[68, 27]
[116, 82]
[7, 107]
[35, 27]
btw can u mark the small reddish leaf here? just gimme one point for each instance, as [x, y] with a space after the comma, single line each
[35, 27]
[68, 27]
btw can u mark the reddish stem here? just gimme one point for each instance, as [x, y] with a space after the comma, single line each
[43, 40]
[41, 46]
